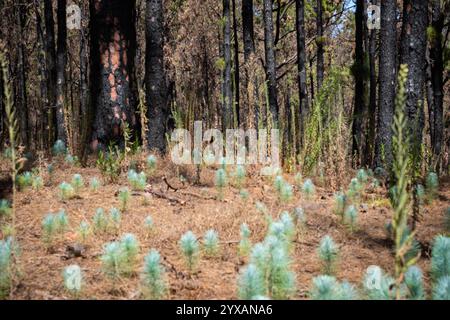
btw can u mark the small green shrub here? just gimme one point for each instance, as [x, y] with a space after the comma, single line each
[94, 184]
[149, 224]
[113, 259]
[24, 180]
[441, 290]
[221, 182]
[115, 217]
[73, 279]
[377, 285]
[414, 283]
[138, 181]
[151, 164]
[8, 249]
[281, 283]
[340, 202]
[211, 243]
[62, 221]
[71, 160]
[49, 228]
[286, 192]
[110, 163]
[325, 288]
[299, 217]
[354, 190]
[243, 193]
[124, 197]
[190, 249]
[440, 258]
[432, 184]
[37, 183]
[308, 189]
[251, 283]
[288, 224]
[153, 278]
[59, 148]
[100, 221]
[83, 231]
[298, 178]
[130, 246]
[351, 218]
[5, 207]
[66, 191]
[77, 183]
[362, 176]
[328, 254]
[244, 244]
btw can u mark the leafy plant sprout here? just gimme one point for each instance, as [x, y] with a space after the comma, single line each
[432, 184]
[138, 181]
[299, 218]
[94, 184]
[441, 290]
[153, 278]
[244, 244]
[340, 201]
[83, 231]
[151, 164]
[354, 190]
[278, 183]
[440, 258]
[73, 279]
[100, 221]
[251, 283]
[113, 259]
[414, 283]
[221, 182]
[49, 228]
[8, 250]
[308, 189]
[130, 246]
[59, 148]
[328, 253]
[325, 287]
[281, 284]
[211, 243]
[66, 191]
[5, 207]
[351, 218]
[286, 192]
[37, 183]
[288, 224]
[115, 218]
[149, 224]
[190, 249]
[124, 197]
[77, 182]
[62, 221]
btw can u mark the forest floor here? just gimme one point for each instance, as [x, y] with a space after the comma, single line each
[198, 210]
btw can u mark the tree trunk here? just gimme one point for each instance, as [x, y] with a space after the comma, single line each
[436, 111]
[413, 54]
[359, 75]
[21, 91]
[61, 58]
[320, 44]
[270, 61]
[247, 28]
[387, 79]
[155, 76]
[112, 54]
[301, 68]
[236, 66]
[227, 112]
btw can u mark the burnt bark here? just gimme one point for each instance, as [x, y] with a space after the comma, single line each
[301, 66]
[155, 76]
[112, 53]
[271, 76]
[61, 59]
[227, 109]
[50, 57]
[387, 80]
[320, 44]
[413, 54]
[21, 89]
[247, 28]
[236, 65]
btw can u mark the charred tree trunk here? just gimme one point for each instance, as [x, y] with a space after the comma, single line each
[413, 54]
[270, 61]
[155, 76]
[301, 67]
[250, 84]
[359, 75]
[50, 57]
[112, 54]
[61, 58]
[247, 27]
[436, 111]
[387, 79]
[320, 44]
[227, 112]
[21, 89]
[236, 66]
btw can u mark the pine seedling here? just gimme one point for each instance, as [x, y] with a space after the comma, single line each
[190, 249]
[100, 221]
[299, 219]
[153, 278]
[151, 164]
[259, 257]
[340, 202]
[66, 191]
[77, 182]
[221, 182]
[441, 290]
[432, 184]
[251, 283]
[59, 148]
[288, 224]
[298, 178]
[240, 176]
[94, 184]
[325, 287]
[130, 247]
[348, 292]
[24, 180]
[5, 207]
[278, 183]
[351, 218]
[362, 176]
[113, 259]
[115, 217]
[71, 160]
[211, 243]
[8, 250]
[377, 285]
[440, 258]
[244, 244]
[138, 181]
[354, 190]
[73, 279]
[420, 193]
[414, 283]
[149, 224]
[124, 197]
[243, 193]
[308, 189]
[49, 228]
[83, 231]
[62, 221]
[281, 280]
[328, 254]
[37, 183]
[286, 192]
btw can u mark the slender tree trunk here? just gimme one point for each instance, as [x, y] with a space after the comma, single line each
[21, 91]
[61, 58]
[436, 111]
[387, 80]
[227, 112]
[236, 66]
[301, 68]
[250, 100]
[50, 54]
[370, 138]
[270, 61]
[358, 73]
[155, 76]
[112, 54]
[320, 44]
[247, 27]
[413, 54]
